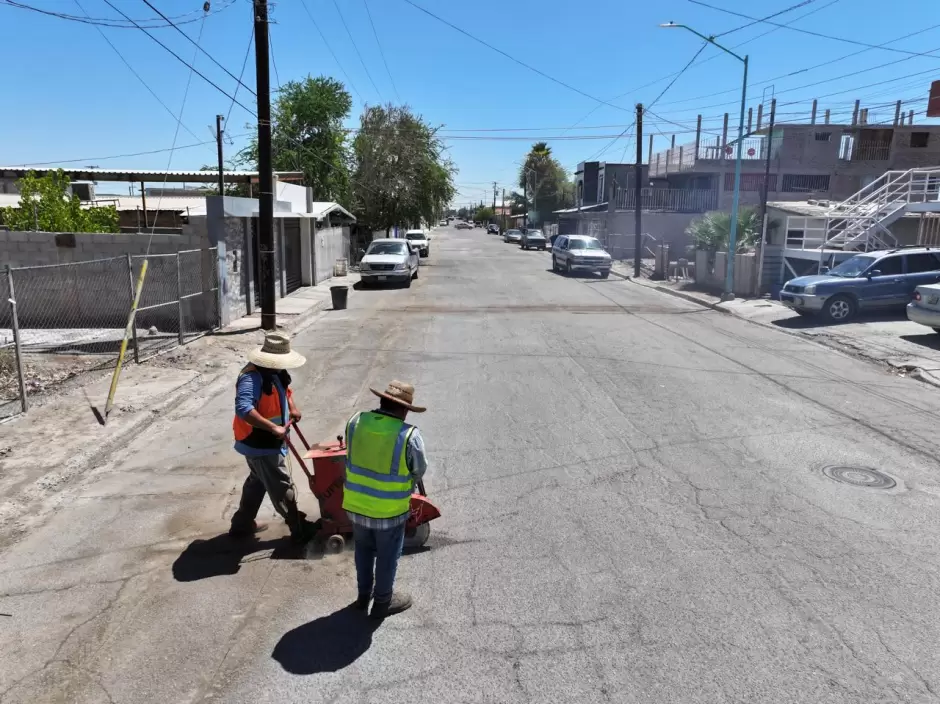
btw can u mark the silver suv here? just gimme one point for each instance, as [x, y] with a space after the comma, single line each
[572, 253]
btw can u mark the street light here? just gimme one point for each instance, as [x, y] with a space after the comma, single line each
[728, 295]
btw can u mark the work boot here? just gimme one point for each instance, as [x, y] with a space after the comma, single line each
[247, 530]
[362, 602]
[400, 601]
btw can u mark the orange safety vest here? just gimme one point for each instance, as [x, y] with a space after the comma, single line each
[269, 406]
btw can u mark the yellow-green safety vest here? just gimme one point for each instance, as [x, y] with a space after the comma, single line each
[378, 483]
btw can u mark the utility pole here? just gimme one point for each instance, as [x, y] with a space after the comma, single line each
[265, 174]
[638, 194]
[218, 139]
[494, 199]
[502, 220]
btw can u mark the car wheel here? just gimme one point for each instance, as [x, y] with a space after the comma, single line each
[554, 264]
[568, 268]
[415, 275]
[937, 330]
[605, 274]
[408, 282]
[840, 309]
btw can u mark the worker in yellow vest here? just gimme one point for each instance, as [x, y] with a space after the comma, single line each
[264, 404]
[384, 458]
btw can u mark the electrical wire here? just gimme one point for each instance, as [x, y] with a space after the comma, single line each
[816, 34]
[203, 51]
[176, 133]
[181, 60]
[117, 24]
[768, 17]
[513, 58]
[136, 75]
[356, 48]
[381, 51]
[251, 41]
[330, 49]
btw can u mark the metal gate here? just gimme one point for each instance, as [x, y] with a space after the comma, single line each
[292, 259]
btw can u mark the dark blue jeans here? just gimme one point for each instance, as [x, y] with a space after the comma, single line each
[377, 553]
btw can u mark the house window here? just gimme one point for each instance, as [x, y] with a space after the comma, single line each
[824, 136]
[750, 182]
[805, 183]
[919, 140]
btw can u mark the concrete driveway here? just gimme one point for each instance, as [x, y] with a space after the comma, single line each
[642, 502]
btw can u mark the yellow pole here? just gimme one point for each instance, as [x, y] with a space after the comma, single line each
[127, 333]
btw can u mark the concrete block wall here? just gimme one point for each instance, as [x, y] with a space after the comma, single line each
[19, 249]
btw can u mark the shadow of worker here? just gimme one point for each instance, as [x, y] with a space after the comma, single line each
[216, 557]
[327, 644]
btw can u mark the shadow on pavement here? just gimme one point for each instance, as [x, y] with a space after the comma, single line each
[803, 322]
[930, 340]
[219, 556]
[327, 644]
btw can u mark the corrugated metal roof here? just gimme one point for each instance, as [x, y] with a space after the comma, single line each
[321, 209]
[136, 175]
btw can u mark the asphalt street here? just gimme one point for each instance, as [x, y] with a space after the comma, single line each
[638, 506]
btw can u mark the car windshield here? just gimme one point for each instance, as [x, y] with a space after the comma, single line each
[512, 232]
[387, 248]
[853, 267]
[536, 233]
[585, 244]
[415, 235]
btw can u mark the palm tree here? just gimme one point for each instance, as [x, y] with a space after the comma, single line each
[712, 231]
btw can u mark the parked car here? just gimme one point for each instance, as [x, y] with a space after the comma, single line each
[476, 224]
[572, 253]
[551, 240]
[871, 281]
[388, 260]
[512, 235]
[533, 239]
[463, 225]
[442, 223]
[418, 239]
[925, 307]
[492, 229]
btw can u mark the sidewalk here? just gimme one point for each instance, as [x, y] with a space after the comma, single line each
[60, 437]
[889, 339]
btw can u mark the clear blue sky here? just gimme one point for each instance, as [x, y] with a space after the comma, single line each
[67, 95]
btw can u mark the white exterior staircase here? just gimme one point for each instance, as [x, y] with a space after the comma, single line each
[861, 222]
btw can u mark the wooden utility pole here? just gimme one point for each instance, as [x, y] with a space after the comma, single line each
[638, 194]
[265, 174]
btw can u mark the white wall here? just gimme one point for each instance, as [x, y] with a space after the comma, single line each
[293, 194]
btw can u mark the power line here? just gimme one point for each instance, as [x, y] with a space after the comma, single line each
[768, 17]
[381, 51]
[137, 75]
[176, 134]
[117, 24]
[251, 39]
[814, 34]
[180, 59]
[203, 51]
[92, 159]
[513, 58]
[710, 58]
[356, 48]
[330, 49]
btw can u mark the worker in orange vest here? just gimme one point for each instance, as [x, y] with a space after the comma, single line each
[264, 405]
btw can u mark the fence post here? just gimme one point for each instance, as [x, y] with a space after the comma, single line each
[130, 278]
[16, 340]
[179, 297]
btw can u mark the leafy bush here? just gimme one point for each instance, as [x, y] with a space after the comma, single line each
[712, 231]
[44, 206]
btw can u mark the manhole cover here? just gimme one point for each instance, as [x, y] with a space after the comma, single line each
[860, 476]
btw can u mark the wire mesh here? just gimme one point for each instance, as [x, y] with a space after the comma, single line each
[72, 317]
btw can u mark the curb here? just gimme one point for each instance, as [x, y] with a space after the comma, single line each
[683, 295]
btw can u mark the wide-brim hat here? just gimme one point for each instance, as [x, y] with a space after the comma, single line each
[276, 353]
[401, 393]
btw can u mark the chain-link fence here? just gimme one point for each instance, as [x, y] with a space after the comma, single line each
[71, 318]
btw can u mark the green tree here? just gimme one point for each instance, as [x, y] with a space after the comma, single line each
[400, 177]
[712, 231]
[46, 206]
[484, 214]
[545, 182]
[307, 135]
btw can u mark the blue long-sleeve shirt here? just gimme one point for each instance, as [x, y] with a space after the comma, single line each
[247, 394]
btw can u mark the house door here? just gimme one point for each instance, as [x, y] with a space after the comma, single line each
[292, 259]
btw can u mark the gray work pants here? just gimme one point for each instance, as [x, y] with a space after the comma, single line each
[267, 474]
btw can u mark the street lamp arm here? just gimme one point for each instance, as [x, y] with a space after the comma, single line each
[709, 39]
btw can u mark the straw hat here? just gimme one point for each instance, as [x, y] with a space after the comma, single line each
[401, 393]
[276, 353]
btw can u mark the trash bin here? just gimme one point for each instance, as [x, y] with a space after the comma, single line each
[339, 295]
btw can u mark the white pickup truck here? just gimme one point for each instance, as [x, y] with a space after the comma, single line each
[419, 240]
